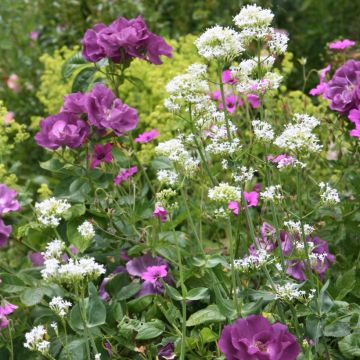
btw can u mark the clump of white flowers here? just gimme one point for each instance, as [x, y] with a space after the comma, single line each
[253, 16]
[60, 306]
[167, 177]
[290, 292]
[269, 81]
[329, 195]
[219, 43]
[190, 88]
[175, 151]
[295, 227]
[36, 340]
[253, 262]
[86, 230]
[245, 174]
[224, 192]
[272, 193]
[263, 131]
[50, 211]
[54, 249]
[165, 199]
[298, 136]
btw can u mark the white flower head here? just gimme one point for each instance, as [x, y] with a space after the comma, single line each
[290, 292]
[329, 195]
[253, 16]
[224, 193]
[263, 131]
[35, 340]
[86, 230]
[167, 177]
[272, 193]
[253, 262]
[50, 211]
[60, 306]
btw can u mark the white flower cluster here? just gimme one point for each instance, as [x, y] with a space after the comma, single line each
[245, 174]
[315, 257]
[224, 193]
[219, 142]
[166, 199]
[329, 195]
[298, 136]
[167, 177]
[278, 43]
[69, 273]
[249, 66]
[253, 16]
[272, 193]
[59, 306]
[188, 88]
[263, 131]
[35, 340]
[50, 211]
[291, 292]
[86, 230]
[175, 151]
[253, 262]
[269, 81]
[295, 227]
[219, 43]
[54, 249]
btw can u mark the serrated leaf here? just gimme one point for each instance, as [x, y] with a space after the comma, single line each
[72, 64]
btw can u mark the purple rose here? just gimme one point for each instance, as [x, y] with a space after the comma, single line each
[75, 103]
[254, 337]
[5, 231]
[63, 129]
[8, 202]
[92, 51]
[343, 89]
[36, 258]
[167, 351]
[105, 111]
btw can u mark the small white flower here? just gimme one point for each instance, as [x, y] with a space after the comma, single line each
[245, 174]
[167, 177]
[329, 195]
[224, 193]
[54, 249]
[50, 211]
[253, 16]
[290, 292]
[263, 131]
[35, 340]
[272, 193]
[253, 262]
[60, 306]
[97, 356]
[295, 227]
[86, 230]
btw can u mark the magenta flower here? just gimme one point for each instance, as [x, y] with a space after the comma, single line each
[75, 103]
[322, 86]
[161, 213]
[8, 200]
[7, 308]
[105, 111]
[147, 136]
[123, 40]
[282, 159]
[13, 83]
[354, 116]
[234, 206]
[5, 231]
[124, 174]
[252, 198]
[152, 268]
[33, 35]
[341, 44]
[167, 352]
[216, 95]
[228, 78]
[36, 258]
[343, 89]
[154, 273]
[355, 132]
[101, 153]
[254, 337]
[253, 100]
[232, 102]
[63, 129]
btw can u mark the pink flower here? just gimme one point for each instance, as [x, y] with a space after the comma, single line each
[3, 322]
[216, 95]
[101, 153]
[33, 35]
[252, 198]
[322, 86]
[13, 83]
[254, 100]
[282, 159]
[147, 136]
[355, 132]
[124, 174]
[153, 273]
[354, 116]
[7, 308]
[234, 206]
[232, 102]
[160, 213]
[341, 44]
[8, 117]
[228, 78]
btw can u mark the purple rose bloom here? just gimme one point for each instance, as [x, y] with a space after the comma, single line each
[343, 89]
[150, 269]
[92, 51]
[105, 111]
[5, 231]
[74, 103]
[254, 337]
[36, 258]
[63, 129]
[8, 202]
[101, 153]
[167, 351]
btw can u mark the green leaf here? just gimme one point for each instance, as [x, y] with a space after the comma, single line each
[209, 314]
[75, 319]
[350, 346]
[139, 304]
[74, 236]
[150, 330]
[197, 294]
[115, 285]
[128, 291]
[31, 296]
[75, 211]
[83, 79]
[173, 293]
[207, 335]
[345, 283]
[339, 328]
[96, 312]
[324, 300]
[73, 63]
[75, 350]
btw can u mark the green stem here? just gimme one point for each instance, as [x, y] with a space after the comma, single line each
[11, 341]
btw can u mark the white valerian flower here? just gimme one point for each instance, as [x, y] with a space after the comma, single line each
[245, 174]
[59, 306]
[86, 230]
[253, 16]
[263, 131]
[165, 199]
[295, 227]
[190, 88]
[272, 193]
[220, 213]
[54, 249]
[219, 142]
[35, 340]
[97, 356]
[269, 81]
[54, 325]
[50, 269]
[50, 211]
[278, 43]
[253, 262]
[290, 292]
[167, 177]
[298, 136]
[260, 33]
[329, 195]
[249, 67]
[224, 193]
[219, 43]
